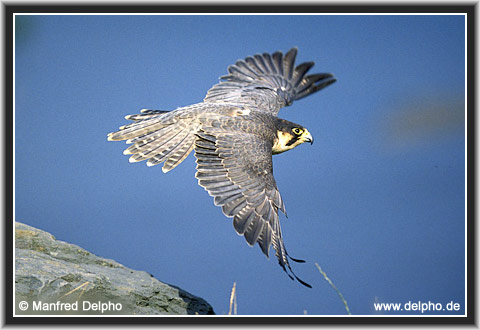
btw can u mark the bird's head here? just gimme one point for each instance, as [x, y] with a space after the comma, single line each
[289, 135]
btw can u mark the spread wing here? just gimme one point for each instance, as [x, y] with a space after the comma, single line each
[236, 169]
[268, 81]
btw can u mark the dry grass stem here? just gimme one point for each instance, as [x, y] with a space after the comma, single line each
[334, 288]
[233, 300]
[77, 288]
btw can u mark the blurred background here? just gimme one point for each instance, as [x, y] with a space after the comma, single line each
[378, 201]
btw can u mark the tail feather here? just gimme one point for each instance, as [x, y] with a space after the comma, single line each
[145, 114]
[169, 148]
[138, 128]
[151, 136]
[142, 141]
[157, 136]
[154, 147]
[179, 154]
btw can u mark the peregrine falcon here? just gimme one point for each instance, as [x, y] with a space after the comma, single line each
[234, 132]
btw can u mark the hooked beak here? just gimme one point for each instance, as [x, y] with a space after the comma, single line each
[307, 137]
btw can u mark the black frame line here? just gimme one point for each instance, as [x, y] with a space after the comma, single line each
[394, 8]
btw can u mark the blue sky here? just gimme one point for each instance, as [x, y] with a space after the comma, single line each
[378, 200]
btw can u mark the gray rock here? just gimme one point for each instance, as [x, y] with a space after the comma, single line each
[54, 277]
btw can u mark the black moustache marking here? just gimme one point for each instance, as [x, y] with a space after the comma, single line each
[292, 141]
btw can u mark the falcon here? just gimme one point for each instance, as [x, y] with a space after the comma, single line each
[234, 133]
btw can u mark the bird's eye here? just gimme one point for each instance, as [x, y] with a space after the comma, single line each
[297, 131]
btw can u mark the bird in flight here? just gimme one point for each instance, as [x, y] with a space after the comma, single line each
[234, 133]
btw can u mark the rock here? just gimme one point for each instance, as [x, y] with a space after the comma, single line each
[54, 277]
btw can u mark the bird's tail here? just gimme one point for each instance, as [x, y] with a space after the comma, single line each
[156, 136]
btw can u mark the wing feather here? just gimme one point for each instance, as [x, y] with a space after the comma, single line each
[254, 230]
[277, 58]
[268, 82]
[239, 176]
[242, 220]
[253, 64]
[289, 62]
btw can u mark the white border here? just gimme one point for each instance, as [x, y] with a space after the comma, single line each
[242, 14]
[247, 14]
